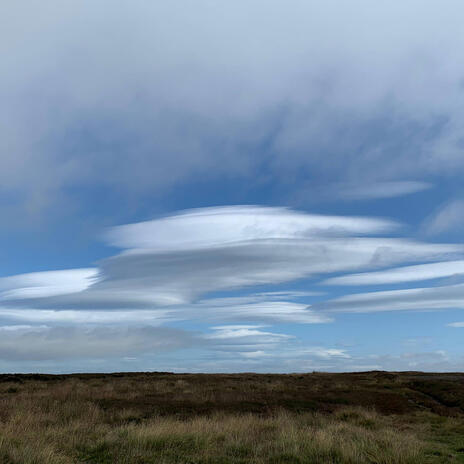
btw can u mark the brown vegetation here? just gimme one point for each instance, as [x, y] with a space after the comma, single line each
[375, 417]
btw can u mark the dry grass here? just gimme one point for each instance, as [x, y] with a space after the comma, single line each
[105, 420]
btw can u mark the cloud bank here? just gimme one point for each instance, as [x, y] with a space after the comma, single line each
[173, 269]
[141, 99]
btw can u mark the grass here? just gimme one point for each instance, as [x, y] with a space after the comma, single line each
[236, 419]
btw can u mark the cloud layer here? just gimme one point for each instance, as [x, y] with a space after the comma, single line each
[204, 266]
[176, 260]
[145, 98]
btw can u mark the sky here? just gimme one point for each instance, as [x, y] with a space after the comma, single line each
[266, 186]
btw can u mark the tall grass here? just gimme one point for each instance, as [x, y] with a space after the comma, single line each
[79, 433]
[60, 423]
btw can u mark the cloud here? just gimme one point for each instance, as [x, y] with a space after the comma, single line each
[245, 338]
[238, 348]
[129, 317]
[178, 260]
[196, 93]
[401, 274]
[208, 227]
[251, 308]
[184, 256]
[456, 324]
[326, 352]
[449, 218]
[420, 299]
[57, 343]
[177, 268]
[36, 343]
[363, 191]
[46, 283]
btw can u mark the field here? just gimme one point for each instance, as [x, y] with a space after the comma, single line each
[373, 417]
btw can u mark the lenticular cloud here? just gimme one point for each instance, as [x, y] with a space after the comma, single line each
[178, 260]
[208, 227]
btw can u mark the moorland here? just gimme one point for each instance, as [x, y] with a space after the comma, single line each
[316, 418]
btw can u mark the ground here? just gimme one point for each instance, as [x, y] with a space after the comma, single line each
[371, 417]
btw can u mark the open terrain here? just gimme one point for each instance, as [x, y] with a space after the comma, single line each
[372, 417]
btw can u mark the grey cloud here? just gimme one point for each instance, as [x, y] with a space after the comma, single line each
[139, 98]
[183, 276]
[37, 343]
[144, 280]
[55, 343]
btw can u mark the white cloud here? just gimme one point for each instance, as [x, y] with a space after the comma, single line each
[46, 283]
[456, 324]
[328, 353]
[255, 307]
[254, 354]
[76, 317]
[245, 334]
[272, 312]
[433, 298]
[22, 327]
[219, 226]
[401, 274]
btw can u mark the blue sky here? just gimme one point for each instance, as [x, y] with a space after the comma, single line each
[231, 186]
